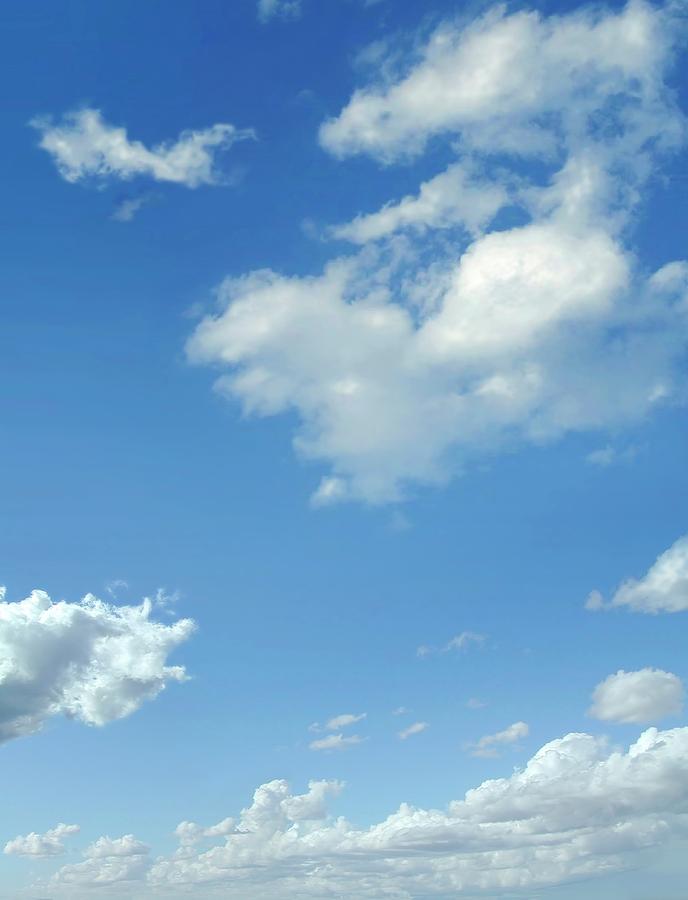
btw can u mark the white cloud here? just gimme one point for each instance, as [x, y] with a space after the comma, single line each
[455, 350]
[282, 9]
[576, 810]
[108, 861]
[416, 728]
[344, 720]
[647, 695]
[488, 746]
[664, 588]
[336, 742]
[400, 711]
[84, 146]
[41, 845]
[495, 82]
[454, 197]
[90, 660]
[127, 208]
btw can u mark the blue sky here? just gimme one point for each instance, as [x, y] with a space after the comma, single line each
[361, 353]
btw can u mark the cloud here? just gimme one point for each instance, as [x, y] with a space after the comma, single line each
[475, 703]
[454, 197]
[336, 742]
[460, 642]
[108, 861]
[640, 697]
[488, 745]
[89, 660]
[41, 845]
[416, 728]
[84, 146]
[456, 342]
[400, 711]
[664, 588]
[576, 810]
[496, 81]
[344, 720]
[278, 9]
[128, 207]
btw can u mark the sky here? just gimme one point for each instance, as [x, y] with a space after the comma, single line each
[343, 480]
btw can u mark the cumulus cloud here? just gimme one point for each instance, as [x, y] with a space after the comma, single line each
[336, 742]
[41, 845]
[488, 745]
[83, 145]
[452, 340]
[664, 588]
[647, 695]
[454, 197]
[108, 861]
[575, 811]
[416, 728]
[278, 9]
[89, 660]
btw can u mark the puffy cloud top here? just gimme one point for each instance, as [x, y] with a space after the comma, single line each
[89, 660]
[648, 695]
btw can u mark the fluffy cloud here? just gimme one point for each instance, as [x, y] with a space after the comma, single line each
[416, 728]
[664, 588]
[108, 861]
[454, 197]
[453, 346]
[488, 745]
[577, 810]
[283, 9]
[644, 696]
[89, 660]
[83, 146]
[495, 83]
[41, 845]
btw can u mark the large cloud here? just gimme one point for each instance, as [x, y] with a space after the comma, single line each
[664, 587]
[437, 342]
[89, 660]
[577, 809]
[83, 146]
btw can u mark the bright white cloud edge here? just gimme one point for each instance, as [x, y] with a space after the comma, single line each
[578, 809]
[83, 145]
[92, 661]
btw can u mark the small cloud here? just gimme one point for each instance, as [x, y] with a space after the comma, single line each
[400, 711]
[115, 586]
[416, 728]
[127, 208]
[460, 642]
[609, 456]
[41, 846]
[488, 745]
[475, 703]
[344, 720]
[336, 742]
[278, 9]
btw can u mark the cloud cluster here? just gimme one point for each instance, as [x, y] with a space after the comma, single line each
[488, 745]
[84, 146]
[437, 342]
[577, 809]
[89, 660]
[647, 695]
[664, 588]
[41, 845]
